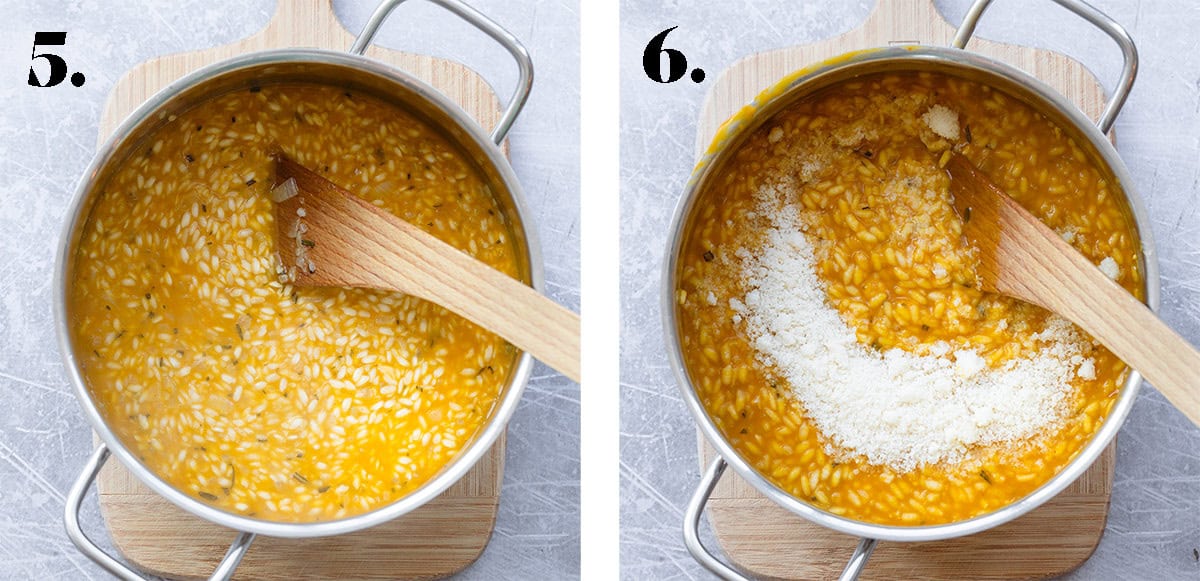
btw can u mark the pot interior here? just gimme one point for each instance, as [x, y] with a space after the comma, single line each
[705, 192]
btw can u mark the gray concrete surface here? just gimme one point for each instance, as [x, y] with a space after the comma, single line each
[48, 135]
[1154, 524]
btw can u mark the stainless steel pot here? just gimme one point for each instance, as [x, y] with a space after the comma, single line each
[342, 69]
[952, 61]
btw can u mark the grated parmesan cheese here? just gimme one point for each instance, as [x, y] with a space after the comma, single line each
[897, 408]
[1087, 370]
[943, 121]
[1110, 269]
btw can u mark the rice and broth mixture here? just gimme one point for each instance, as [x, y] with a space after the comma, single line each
[282, 403]
[830, 315]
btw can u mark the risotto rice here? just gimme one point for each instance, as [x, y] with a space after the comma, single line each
[856, 170]
[266, 400]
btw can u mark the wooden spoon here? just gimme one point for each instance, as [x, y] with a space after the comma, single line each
[329, 237]
[1023, 258]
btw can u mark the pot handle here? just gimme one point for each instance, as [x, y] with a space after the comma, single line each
[1097, 19]
[483, 23]
[691, 532]
[78, 490]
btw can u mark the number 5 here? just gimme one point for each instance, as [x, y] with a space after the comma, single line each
[58, 67]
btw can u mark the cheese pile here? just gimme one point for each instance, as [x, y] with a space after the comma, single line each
[898, 408]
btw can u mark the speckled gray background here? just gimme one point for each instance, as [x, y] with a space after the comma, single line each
[1154, 523]
[47, 137]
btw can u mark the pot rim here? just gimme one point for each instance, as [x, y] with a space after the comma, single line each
[767, 104]
[452, 471]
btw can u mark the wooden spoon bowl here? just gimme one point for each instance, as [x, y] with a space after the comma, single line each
[327, 236]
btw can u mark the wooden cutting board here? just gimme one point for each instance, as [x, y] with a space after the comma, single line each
[439, 538]
[762, 538]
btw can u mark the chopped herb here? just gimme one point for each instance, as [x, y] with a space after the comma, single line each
[251, 181]
[261, 439]
[203, 207]
[708, 256]
[967, 131]
[207, 496]
[241, 335]
[323, 489]
[298, 478]
[967, 215]
[745, 431]
[189, 157]
[308, 243]
[96, 353]
[233, 119]
[985, 476]
[199, 127]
